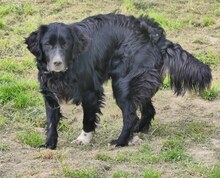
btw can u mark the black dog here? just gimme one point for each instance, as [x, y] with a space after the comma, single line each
[75, 60]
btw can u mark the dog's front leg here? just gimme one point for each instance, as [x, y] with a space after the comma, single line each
[91, 103]
[53, 116]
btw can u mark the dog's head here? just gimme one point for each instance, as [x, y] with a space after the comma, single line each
[56, 44]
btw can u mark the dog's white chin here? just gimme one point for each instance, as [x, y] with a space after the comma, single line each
[57, 70]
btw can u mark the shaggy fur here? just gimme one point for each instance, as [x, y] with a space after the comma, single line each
[133, 52]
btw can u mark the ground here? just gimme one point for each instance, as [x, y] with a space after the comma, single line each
[184, 139]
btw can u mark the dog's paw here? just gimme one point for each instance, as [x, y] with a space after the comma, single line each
[118, 143]
[84, 138]
[47, 146]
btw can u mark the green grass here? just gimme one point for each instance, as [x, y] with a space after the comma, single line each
[22, 93]
[208, 21]
[16, 9]
[122, 174]
[173, 150]
[150, 173]
[145, 155]
[31, 138]
[81, 173]
[3, 121]
[4, 147]
[209, 57]
[103, 157]
[166, 83]
[2, 25]
[128, 5]
[215, 172]
[210, 94]
[166, 22]
[17, 66]
[198, 131]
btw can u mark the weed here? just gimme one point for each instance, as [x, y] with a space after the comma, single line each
[172, 150]
[5, 9]
[165, 22]
[122, 157]
[20, 92]
[16, 66]
[60, 2]
[4, 147]
[166, 83]
[122, 174]
[150, 173]
[214, 172]
[4, 43]
[198, 131]
[128, 5]
[17, 9]
[208, 21]
[162, 130]
[145, 155]
[103, 157]
[209, 57]
[2, 25]
[210, 94]
[31, 138]
[3, 121]
[81, 173]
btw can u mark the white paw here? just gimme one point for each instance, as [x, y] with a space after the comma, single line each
[84, 138]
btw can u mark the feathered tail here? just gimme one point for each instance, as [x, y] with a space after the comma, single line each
[185, 71]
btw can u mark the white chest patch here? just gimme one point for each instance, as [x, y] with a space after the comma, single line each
[84, 138]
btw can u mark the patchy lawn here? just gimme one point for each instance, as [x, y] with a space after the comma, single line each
[184, 140]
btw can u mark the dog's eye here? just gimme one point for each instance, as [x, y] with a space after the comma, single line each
[65, 45]
[48, 45]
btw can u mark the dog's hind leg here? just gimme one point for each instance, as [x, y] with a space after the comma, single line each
[128, 111]
[133, 91]
[147, 114]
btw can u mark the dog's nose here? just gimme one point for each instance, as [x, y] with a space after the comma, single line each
[57, 63]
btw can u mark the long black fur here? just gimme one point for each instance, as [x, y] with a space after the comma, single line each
[133, 52]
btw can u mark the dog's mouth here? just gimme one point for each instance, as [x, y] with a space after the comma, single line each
[57, 69]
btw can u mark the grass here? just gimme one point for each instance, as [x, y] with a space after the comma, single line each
[150, 173]
[20, 92]
[198, 131]
[215, 172]
[208, 21]
[210, 94]
[173, 150]
[31, 138]
[166, 83]
[166, 22]
[121, 174]
[16, 9]
[81, 173]
[16, 66]
[103, 157]
[209, 57]
[3, 122]
[145, 155]
[4, 147]
[176, 128]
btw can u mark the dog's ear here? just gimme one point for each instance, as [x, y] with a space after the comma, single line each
[33, 41]
[81, 41]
